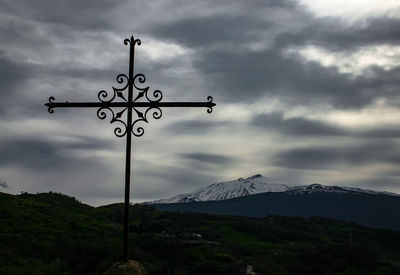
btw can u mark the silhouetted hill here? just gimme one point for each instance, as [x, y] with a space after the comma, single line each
[377, 210]
[52, 233]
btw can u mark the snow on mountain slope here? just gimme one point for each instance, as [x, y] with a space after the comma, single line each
[318, 188]
[228, 190]
[255, 185]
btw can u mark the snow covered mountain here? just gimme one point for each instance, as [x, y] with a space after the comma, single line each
[365, 207]
[259, 196]
[229, 190]
[254, 185]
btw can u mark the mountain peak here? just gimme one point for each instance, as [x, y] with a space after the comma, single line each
[229, 190]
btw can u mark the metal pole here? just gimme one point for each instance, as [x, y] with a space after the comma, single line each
[128, 152]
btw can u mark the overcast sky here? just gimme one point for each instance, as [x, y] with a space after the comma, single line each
[306, 92]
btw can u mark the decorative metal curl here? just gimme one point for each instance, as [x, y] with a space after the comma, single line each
[51, 101]
[157, 94]
[103, 94]
[121, 78]
[118, 131]
[156, 113]
[210, 100]
[132, 41]
[141, 78]
[117, 92]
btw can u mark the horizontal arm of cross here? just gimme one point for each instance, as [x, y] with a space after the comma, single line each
[52, 105]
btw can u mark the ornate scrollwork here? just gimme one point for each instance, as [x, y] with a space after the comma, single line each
[144, 91]
[103, 95]
[132, 41]
[139, 131]
[156, 96]
[50, 105]
[118, 131]
[117, 92]
[210, 100]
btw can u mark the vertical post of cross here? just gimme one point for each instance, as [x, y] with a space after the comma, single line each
[132, 43]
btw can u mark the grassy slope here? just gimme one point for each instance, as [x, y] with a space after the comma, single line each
[55, 234]
[373, 210]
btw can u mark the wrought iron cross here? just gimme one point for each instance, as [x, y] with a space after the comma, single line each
[152, 103]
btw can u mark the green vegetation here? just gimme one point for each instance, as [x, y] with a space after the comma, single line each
[52, 233]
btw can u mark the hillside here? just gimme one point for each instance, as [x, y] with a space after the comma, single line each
[55, 234]
[371, 209]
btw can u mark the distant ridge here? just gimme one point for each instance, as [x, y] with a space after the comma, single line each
[319, 188]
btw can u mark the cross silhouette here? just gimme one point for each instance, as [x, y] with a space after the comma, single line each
[153, 104]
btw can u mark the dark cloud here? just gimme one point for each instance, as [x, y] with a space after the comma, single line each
[380, 133]
[208, 158]
[12, 72]
[88, 14]
[300, 126]
[19, 99]
[45, 153]
[233, 25]
[242, 75]
[193, 127]
[380, 182]
[13, 76]
[308, 158]
[172, 180]
[296, 126]
[247, 76]
[331, 34]
[209, 162]
[3, 184]
[395, 159]
[200, 32]
[313, 158]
